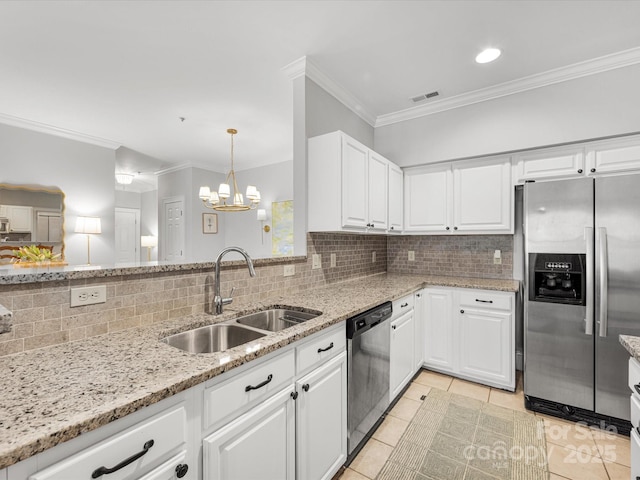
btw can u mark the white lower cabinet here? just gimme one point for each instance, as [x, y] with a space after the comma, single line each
[258, 445]
[402, 366]
[176, 467]
[321, 420]
[471, 334]
[438, 329]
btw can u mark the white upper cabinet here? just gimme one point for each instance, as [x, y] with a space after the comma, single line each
[349, 186]
[20, 218]
[613, 156]
[550, 163]
[460, 197]
[396, 181]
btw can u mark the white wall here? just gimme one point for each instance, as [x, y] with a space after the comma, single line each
[205, 246]
[589, 107]
[149, 221]
[84, 172]
[275, 183]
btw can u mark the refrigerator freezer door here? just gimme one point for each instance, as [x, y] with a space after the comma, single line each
[617, 213]
[558, 354]
[556, 215]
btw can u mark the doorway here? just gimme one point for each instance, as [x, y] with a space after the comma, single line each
[172, 241]
[127, 235]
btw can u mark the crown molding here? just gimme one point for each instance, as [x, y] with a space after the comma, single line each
[304, 66]
[58, 131]
[558, 75]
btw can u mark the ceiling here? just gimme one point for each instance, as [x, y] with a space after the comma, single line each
[123, 73]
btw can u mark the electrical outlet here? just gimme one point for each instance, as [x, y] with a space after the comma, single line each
[333, 260]
[373, 257]
[289, 270]
[497, 257]
[412, 256]
[317, 261]
[88, 295]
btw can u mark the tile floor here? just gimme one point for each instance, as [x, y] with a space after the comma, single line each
[575, 452]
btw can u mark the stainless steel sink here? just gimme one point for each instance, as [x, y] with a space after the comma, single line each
[212, 338]
[274, 320]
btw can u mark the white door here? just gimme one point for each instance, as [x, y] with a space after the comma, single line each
[378, 176]
[259, 445]
[396, 199]
[439, 347]
[485, 345]
[482, 196]
[401, 353]
[428, 197]
[354, 183]
[173, 247]
[127, 229]
[321, 420]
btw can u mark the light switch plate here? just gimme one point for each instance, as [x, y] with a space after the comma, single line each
[412, 256]
[317, 261]
[289, 270]
[333, 259]
[373, 257]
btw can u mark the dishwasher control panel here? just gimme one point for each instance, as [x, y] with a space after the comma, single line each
[369, 319]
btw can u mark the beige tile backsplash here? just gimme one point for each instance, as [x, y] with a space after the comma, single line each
[42, 315]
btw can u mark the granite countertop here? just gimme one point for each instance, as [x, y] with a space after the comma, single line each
[56, 393]
[632, 344]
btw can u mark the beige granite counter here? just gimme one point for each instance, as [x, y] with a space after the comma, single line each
[56, 393]
[632, 344]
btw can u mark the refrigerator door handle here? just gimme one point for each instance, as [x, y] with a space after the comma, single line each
[604, 268]
[588, 236]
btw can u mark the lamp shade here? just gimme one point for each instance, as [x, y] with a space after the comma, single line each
[148, 241]
[88, 225]
[204, 193]
[124, 178]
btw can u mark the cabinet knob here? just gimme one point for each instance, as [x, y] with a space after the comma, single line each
[294, 395]
[394, 326]
[580, 170]
[447, 228]
[461, 311]
[372, 225]
[455, 228]
[391, 228]
[593, 170]
[305, 387]
[181, 470]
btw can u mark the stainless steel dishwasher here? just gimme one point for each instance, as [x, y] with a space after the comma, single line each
[368, 342]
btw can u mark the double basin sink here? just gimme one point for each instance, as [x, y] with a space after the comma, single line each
[238, 331]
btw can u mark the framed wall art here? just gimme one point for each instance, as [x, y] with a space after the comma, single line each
[209, 223]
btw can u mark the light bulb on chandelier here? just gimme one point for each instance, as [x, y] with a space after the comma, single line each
[218, 200]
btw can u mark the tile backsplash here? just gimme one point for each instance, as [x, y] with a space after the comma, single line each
[42, 315]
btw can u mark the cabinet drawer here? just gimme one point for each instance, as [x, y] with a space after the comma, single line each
[402, 305]
[634, 376]
[222, 400]
[635, 411]
[167, 430]
[167, 471]
[485, 299]
[321, 348]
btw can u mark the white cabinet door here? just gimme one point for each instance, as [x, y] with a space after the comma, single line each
[428, 199]
[635, 454]
[418, 335]
[565, 162]
[401, 353]
[355, 157]
[439, 345]
[483, 196]
[378, 187]
[321, 420]
[612, 156]
[170, 469]
[396, 199]
[485, 342]
[20, 218]
[257, 445]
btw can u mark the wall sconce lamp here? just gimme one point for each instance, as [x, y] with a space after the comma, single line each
[124, 178]
[148, 241]
[262, 217]
[89, 226]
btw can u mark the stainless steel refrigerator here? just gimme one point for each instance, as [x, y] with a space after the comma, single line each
[582, 274]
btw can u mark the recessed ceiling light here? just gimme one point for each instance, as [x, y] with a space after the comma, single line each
[488, 55]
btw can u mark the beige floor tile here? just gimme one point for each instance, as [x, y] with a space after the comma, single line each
[470, 389]
[405, 408]
[571, 435]
[371, 458]
[349, 474]
[612, 447]
[514, 401]
[415, 391]
[434, 379]
[617, 471]
[575, 465]
[552, 476]
[390, 430]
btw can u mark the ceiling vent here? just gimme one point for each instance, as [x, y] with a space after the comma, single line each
[425, 96]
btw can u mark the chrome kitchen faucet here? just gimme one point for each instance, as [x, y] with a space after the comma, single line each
[218, 300]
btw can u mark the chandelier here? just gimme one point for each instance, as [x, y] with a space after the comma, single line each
[228, 197]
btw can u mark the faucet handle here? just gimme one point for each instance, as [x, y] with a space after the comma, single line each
[231, 292]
